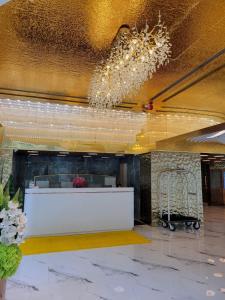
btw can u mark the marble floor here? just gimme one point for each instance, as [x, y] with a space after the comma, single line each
[181, 265]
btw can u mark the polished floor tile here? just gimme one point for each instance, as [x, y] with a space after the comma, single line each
[181, 265]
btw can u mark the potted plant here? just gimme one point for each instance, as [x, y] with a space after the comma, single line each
[12, 226]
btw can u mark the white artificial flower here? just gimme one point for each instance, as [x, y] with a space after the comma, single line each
[2, 213]
[12, 225]
[13, 205]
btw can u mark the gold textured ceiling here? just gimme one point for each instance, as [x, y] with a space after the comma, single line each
[48, 49]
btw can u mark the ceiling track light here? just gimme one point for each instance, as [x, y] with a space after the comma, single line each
[219, 133]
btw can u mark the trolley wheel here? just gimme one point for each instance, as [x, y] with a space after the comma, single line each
[196, 225]
[188, 224]
[164, 224]
[172, 227]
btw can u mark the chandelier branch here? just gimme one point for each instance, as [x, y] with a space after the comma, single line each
[134, 57]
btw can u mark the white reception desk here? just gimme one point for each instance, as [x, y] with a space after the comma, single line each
[58, 211]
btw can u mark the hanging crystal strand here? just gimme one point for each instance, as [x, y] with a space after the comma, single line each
[133, 59]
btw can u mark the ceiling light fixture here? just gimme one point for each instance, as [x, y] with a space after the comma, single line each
[133, 59]
[36, 120]
[219, 133]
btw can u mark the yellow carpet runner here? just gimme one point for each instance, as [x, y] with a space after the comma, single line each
[39, 245]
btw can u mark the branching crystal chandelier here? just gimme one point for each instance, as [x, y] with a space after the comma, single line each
[133, 59]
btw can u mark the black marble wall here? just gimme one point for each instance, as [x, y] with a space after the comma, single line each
[145, 188]
[26, 167]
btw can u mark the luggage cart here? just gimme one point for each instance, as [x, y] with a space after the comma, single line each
[178, 198]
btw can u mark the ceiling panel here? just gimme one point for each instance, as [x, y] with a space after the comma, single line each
[49, 49]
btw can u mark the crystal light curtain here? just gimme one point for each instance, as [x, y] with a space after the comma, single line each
[56, 121]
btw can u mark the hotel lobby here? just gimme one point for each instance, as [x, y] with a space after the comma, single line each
[112, 150]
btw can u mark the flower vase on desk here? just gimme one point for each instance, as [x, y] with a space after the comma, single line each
[79, 182]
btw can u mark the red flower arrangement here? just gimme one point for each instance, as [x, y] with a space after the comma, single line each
[79, 182]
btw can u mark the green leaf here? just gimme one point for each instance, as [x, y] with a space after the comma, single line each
[6, 200]
[10, 258]
[1, 196]
[15, 199]
[6, 197]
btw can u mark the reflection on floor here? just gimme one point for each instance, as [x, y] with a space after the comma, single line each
[181, 265]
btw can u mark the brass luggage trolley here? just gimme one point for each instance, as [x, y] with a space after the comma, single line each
[178, 198]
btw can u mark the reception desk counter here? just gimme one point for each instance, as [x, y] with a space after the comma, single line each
[58, 211]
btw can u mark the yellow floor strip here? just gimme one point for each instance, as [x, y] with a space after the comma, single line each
[38, 245]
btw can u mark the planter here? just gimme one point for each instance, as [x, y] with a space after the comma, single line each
[2, 289]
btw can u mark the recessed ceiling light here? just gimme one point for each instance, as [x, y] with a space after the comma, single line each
[219, 133]
[64, 152]
[211, 158]
[32, 151]
[86, 156]
[203, 155]
[216, 160]
[119, 154]
[92, 153]
[205, 160]
[218, 155]
[104, 157]
[62, 155]
[33, 154]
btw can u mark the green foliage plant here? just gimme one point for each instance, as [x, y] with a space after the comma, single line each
[10, 255]
[10, 258]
